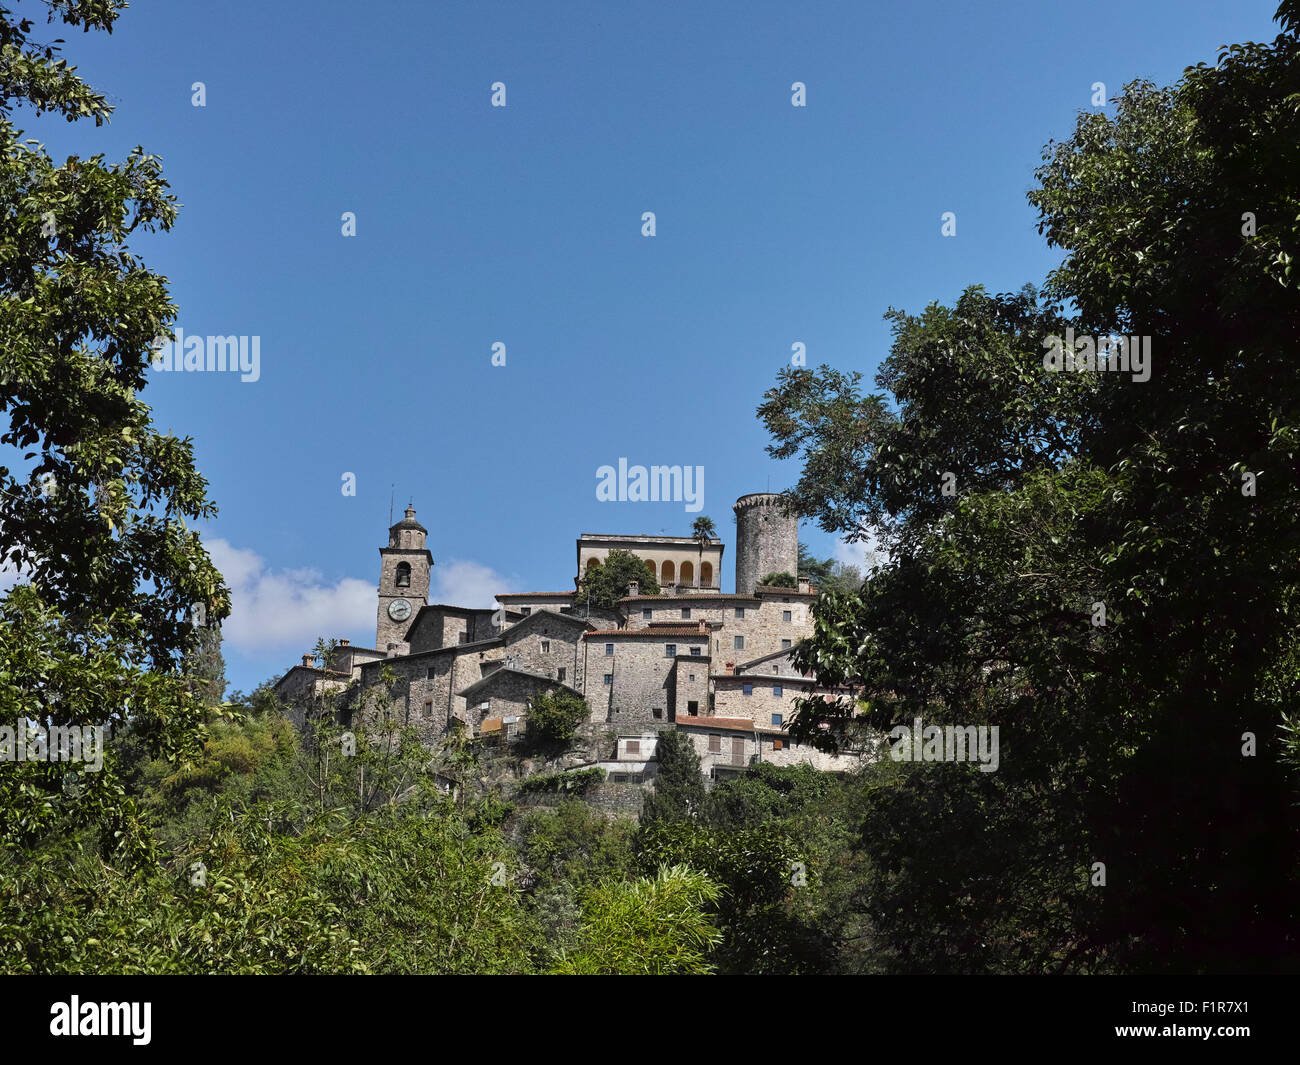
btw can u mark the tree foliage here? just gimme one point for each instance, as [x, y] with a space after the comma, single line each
[93, 500]
[605, 584]
[1099, 585]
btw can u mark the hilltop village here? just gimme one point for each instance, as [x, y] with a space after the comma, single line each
[716, 666]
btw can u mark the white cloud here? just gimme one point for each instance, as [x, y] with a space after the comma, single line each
[461, 583]
[863, 554]
[287, 610]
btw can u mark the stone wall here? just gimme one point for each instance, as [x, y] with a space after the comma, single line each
[730, 700]
[767, 540]
[644, 676]
[760, 620]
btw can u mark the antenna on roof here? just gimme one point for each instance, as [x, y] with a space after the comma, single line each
[391, 496]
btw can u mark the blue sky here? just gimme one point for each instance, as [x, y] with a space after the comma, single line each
[522, 225]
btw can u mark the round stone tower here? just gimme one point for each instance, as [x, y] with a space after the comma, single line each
[767, 540]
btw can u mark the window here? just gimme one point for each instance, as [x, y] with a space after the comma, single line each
[670, 650]
[785, 645]
[715, 744]
[777, 690]
[692, 676]
[695, 651]
[428, 673]
[686, 612]
[428, 708]
[633, 746]
[462, 637]
[740, 611]
[657, 712]
[778, 745]
[740, 643]
[776, 719]
[785, 615]
[693, 708]
[546, 647]
[647, 613]
[749, 689]
[403, 575]
[525, 610]
[561, 676]
[609, 648]
[609, 679]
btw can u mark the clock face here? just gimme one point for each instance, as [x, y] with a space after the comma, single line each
[399, 610]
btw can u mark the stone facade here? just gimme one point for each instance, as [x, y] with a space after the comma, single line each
[440, 626]
[631, 673]
[774, 620]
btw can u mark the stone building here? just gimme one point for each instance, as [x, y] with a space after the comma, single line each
[716, 665]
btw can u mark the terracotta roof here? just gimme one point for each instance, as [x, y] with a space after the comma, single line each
[646, 538]
[749, 678]
[535, 595]
[694, 597]
[675, 630]
[733, 724]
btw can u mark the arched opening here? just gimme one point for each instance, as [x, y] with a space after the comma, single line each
[706, 574]
[403, 575]
[666, 573]
[592, 563]
[688, 573]
[650, 565]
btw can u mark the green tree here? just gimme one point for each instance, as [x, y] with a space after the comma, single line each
[204, 667]
[780, 580]
[554, 716]
[95, 511]
[650, 926]
[679, 784]
[604, 585]
[812, 566]
[703, 530]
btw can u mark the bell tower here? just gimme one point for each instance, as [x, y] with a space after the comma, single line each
[403, 583]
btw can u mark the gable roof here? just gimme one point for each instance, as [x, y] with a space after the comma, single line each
[763, 658]
[547, 614]
[497, 674]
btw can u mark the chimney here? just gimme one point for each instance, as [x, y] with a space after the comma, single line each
[633, 587]
[805, 585]
[344, 643]
[309, 661]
